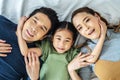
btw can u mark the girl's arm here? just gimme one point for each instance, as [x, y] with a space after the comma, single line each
[22, 43]
[32, 65]
[76, 63]
[98, 48]
[74, 75]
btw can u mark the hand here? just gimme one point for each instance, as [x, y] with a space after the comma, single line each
[21, 24]
[79, 61]
[90, 59]
[103, 28]
[32, 65]
[4, 48]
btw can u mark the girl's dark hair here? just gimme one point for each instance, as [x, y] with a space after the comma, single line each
[52, 15]
[89, 11]
[69, 26]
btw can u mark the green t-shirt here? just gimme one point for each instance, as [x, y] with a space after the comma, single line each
[55, 64]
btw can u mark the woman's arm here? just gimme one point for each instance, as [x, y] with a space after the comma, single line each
[98, 48]
[22, 43]
[76, 63]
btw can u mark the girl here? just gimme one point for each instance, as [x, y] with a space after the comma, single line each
[92, 26]
[57, 52]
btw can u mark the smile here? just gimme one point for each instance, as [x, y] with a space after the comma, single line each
[61, 49]
[91, 32]
[31, 35]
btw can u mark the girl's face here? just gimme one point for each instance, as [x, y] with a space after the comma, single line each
[36, 27]
[87, 25]
[62, 40]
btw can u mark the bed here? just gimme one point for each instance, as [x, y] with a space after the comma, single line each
[14, 9]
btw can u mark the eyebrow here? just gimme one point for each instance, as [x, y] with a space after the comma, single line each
[43, 25]
[60, 36]
[68, 38]
[36, 18]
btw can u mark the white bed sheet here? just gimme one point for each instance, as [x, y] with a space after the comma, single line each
[14, 9]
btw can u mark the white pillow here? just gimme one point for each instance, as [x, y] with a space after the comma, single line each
[14, 9]
[109, 9]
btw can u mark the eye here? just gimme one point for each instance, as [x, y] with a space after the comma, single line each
[43, 28]
[67, 40]
[87, 20]
[58, 38]
[79, 28]
[34, 21]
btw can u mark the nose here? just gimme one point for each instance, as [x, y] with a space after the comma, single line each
[61, 43]
[34, 29]
[87, 27]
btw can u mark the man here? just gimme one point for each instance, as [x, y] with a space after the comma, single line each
[40, 22]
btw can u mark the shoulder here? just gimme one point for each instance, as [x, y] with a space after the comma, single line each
[6, 23]
[44, 42]
[72, 53]
[112, 34]
[4, 19]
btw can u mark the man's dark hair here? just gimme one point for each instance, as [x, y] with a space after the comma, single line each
[52, 15]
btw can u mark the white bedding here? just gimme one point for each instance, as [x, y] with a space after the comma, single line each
[14, 9]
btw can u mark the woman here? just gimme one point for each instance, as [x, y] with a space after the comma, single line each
[92, 26]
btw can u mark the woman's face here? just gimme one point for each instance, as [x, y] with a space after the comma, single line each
[87, 25]
[62, 40]
[36, 27]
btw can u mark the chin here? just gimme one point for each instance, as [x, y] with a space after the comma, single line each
[60, 52]
[27, 40]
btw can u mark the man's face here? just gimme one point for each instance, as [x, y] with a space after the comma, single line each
[36, 27]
